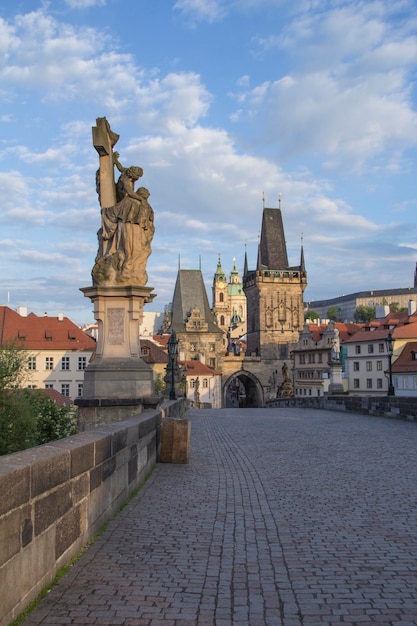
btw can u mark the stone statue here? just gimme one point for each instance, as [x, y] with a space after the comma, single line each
[127, 218]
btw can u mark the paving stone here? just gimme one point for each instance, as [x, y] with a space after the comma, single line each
[283, 517]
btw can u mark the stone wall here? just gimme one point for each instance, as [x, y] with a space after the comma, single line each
[384, 406]
[53, 499]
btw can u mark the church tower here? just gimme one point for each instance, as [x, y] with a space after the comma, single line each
[220, 297]
[274, 292]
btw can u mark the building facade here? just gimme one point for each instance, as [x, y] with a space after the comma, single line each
[58, 351]
[229, 302]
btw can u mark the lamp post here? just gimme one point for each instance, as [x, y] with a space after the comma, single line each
[389, 342]
[172, 353]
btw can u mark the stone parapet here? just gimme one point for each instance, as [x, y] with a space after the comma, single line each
[56, 496]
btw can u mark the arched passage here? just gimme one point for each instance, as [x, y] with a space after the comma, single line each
[242, 390]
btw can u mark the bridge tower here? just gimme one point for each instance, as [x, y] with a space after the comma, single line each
[274, 292]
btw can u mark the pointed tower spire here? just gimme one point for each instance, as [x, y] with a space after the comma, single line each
[245, 263]
[415, 277]
[302, 263]
[259, 260]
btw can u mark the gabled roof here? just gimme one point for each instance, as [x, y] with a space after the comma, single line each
[55, 396]
[346, 331]
[42, 333]
[190, 292]
[406, 362]
[197, 368]
[155, 352]
[407, 331]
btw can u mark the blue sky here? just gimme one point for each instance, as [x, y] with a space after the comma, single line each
[219, 101]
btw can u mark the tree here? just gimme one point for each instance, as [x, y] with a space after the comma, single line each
[333, 313]
[27, 418]
[364, 314]
[311, 315]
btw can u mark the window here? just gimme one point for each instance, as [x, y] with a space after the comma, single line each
[379, 383]
[369, 366]
[192, 383]
[221, 297]
[221, 320]
[302, 359]
[320, 358]
[356, 366]
[31, 363]
[212, 363]
[379, 366]
[31, 387]
[80, 390]
[370, 348]
[357, 349]
[356, 383]
[311, 358]
[192, 347]
[405, 382]
[49, 386]
[212, 347]
[65, 389]
[369, 383]
[205, 383]
[65, 363]
[381, 347]
[82, 362]
[49, 362]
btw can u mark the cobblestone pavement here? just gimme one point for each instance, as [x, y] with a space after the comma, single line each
[283, 517]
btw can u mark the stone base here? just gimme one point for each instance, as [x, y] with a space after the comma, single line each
[96, 412]
[336, 388]
[118, 378]
[175, 441]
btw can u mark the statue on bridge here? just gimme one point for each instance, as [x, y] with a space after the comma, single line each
[127, 218]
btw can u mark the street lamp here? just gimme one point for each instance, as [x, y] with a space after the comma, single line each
[389, 342]
[172, 353]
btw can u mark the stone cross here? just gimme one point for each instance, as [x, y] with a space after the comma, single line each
[104, 139]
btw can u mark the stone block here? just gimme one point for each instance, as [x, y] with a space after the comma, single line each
[119, 441]
[14, 487]
[82, 459]
[68, 530]
[80, 488]
[53, 506]
[9, 535]
[102, 449]
[50, 472]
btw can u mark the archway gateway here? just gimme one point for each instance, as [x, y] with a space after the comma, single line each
[243, 390]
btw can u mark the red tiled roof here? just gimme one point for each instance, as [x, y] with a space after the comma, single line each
[197, 368]
[407, 331]
[42, 333]
[155, 353]
[55, 396]
[406, 362]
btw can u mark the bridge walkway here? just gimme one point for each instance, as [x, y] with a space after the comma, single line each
[283, 517]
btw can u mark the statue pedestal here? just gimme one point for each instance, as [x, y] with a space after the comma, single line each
[117, 382]
[336, 384]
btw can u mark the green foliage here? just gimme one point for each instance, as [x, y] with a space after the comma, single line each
[52, 421]
[364, 314]
[334, 313]
[17, 425]
[159, 384]
[27, 418]
[311, 315]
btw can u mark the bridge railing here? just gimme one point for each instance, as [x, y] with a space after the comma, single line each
[55, 497]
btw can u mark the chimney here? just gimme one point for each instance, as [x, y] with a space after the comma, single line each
[60, 317]
[381, 311]
[22, 311]
[412, 307]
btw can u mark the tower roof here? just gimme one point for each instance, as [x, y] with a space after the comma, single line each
[190, 292]
[219, 274]
[272, 247]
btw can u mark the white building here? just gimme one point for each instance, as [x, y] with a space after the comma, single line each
[58, 351]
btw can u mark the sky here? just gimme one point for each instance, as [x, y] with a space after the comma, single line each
[228, 106]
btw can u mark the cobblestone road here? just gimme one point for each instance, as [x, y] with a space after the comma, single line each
[283, 517]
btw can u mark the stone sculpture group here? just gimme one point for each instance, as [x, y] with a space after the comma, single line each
[127, 218]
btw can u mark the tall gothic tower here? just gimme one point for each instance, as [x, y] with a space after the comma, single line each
[274, 292]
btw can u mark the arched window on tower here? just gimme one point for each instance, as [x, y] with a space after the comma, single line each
[221, 320]
[221, 297]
